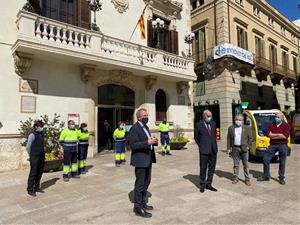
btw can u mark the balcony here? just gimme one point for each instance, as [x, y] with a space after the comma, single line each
[43, 37]
[262, 67]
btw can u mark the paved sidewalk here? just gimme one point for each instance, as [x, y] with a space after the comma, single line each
[102, 195]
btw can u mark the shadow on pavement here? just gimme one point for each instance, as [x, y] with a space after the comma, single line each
[131, 196]
[227, 175]
[49, 183]
[256, 174]
[194, 179]
[87, 168]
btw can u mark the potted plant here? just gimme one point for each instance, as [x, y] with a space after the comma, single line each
[178, 141]
[52, 129]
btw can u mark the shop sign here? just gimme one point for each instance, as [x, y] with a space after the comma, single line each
[234, 51]
[75, 117]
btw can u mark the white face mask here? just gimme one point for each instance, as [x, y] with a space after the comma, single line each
[208, 119]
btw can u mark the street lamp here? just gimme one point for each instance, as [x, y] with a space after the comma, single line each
[189, 38]
[158, 25]
[95, 5]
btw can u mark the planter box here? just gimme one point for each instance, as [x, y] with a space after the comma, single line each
[177, 145]
[53, 165]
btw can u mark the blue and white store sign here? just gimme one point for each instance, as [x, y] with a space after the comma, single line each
[234, 51]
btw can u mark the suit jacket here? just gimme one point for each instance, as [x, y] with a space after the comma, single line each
[207, 143]
[141, 153]
[246, 138]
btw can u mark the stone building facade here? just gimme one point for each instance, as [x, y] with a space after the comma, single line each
[245, 51]
[52, 62]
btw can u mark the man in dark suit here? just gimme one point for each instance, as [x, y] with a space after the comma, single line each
[239, 140]
[205, 137]
[142, 157]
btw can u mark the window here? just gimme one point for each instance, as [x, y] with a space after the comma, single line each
[240, 2]
[200, 85]
[165, 39]
[283, 31]
[75, 12]
[271, 22]
[200, 45]
[197, 3]
[112, 94]
[256, 12]
[286, 95]
[242, 39]
[295, 64]
[273, 54]
[161, 105]
[243, 88]
[285, 60]
[259, 47]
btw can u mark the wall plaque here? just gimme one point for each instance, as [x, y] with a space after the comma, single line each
[28, 104]
[28, 85]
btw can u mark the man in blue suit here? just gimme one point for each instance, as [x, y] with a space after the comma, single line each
[205, 137]
[142, 157]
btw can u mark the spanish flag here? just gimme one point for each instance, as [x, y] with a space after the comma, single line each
[142, 25]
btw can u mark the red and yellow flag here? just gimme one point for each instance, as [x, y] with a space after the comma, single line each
[142, 25]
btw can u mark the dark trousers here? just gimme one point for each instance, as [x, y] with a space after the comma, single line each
[70, 161]
[164, 139]
[283, 150]
[207, 162]
[82, 155]
[36, 171]
[142, 182]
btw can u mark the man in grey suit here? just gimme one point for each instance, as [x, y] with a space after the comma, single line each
[239, 140]
[205, 137]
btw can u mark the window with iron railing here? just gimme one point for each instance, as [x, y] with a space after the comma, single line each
[273, 54]
[242, 38]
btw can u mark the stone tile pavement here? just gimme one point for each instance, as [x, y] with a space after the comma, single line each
[102, 196]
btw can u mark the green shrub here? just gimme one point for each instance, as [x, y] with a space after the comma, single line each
[52, 129]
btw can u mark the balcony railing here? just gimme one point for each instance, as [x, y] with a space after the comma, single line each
[262, 63]
[44, 34]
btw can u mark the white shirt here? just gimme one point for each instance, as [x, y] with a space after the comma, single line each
[238, 136]
[147, 132]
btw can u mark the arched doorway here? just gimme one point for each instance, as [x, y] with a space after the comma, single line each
[115, 103]
[161, 105]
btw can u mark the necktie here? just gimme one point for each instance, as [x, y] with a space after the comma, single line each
[209, 129]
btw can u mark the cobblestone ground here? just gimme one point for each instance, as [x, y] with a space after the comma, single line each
[102, 196]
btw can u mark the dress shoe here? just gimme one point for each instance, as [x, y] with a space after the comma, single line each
[148, 207]
[263, 178]
[202, 189]
[248, 183]
[39, 190]
[211, 188]
[235, 181]
[282, 182]
[142, 213]
[31, 193]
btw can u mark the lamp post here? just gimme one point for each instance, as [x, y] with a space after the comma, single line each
[189, 38]
[158, 25]
[95, 5]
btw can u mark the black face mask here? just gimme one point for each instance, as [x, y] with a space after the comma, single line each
[145, 120]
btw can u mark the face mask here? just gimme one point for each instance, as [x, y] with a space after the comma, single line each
[208, 119]
[39, 129]
[277, 120]
[238, 123]
[84, 129]
[72, 127]
[145, 120]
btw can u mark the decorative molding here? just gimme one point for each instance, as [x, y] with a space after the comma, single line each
[86, 70]
[240, 22]
[258, 32]
[181, 86]
[170, 7]
[121, 5]
[22, 62]
[119, 77]
[149, 82]
[284, 47]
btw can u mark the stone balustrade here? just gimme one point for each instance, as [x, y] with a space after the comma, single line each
[45, 34]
